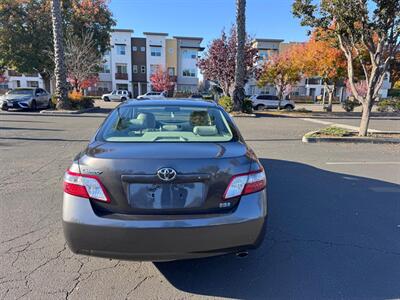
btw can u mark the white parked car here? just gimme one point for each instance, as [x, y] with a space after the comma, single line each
[116, 95]
[153, 95]
[261, 102]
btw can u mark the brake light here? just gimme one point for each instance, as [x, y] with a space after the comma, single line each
[244, 184]
[86, 186]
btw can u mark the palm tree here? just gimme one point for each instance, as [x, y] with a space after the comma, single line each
[59, 70]
[238, 92]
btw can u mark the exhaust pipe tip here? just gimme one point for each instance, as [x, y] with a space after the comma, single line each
[242, 254]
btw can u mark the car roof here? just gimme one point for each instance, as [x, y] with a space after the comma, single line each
[169, 102]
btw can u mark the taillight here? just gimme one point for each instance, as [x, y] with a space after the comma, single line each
[86, 186]
[244, 184]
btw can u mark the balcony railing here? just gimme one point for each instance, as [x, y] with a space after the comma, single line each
[123, 76]
[313, 81]
[32, 75]
[13, 73]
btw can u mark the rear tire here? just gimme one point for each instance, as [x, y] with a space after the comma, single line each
[260, 107]
[5, 108]
[289, 107]
[106, 99]
[123, 99]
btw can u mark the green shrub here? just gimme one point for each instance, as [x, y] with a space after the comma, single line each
[389, 105]
[247, 106]
[334, 131]
[349, 105]
[226, 103]
[394, 92]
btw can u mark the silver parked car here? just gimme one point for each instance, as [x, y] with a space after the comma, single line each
[165, 180]
[116, 95]
[261, 102]
[26, 98]
[153, 95]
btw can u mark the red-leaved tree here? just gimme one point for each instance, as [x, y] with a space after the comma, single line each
[3, 78]
[219, 61]
[161, 81]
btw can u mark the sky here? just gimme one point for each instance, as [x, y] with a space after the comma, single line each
[206, 18]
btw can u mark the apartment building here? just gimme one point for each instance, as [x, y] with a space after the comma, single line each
[139, 66]
[266, 48]
[14, 80]
[156, 53]
[188, 49]
[312, 87]
[132, 61]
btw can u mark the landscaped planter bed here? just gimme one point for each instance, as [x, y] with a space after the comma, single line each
[340, 135]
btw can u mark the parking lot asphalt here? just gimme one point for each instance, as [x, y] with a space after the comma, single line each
[333, 229]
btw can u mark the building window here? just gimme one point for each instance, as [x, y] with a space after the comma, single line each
[155, 51]
[105, 68]
[143, 69]
[154, 68]
[135, 68]
[18, 83]
[32, 83]
[143, 49]
[134, 48]
[189, 73]
[122, 86]
[171, 71]
[120, 49]
[121, 68]
[3, 86]
[189, 54]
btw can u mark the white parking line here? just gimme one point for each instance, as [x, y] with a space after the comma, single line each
[355, 128]
[363, 163]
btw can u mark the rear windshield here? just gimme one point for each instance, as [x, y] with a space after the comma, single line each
[166, 124]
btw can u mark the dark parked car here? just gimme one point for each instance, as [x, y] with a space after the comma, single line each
[165, 180]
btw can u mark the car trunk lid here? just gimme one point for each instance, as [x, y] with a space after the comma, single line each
[129, 173]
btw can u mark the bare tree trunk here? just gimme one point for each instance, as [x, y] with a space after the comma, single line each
[238, 92]
[59, 70]
[366, 113]
[363, 131]
[330, 98]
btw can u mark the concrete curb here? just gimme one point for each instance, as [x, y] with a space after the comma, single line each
[346, 139]
[243, 116]
[68, 112]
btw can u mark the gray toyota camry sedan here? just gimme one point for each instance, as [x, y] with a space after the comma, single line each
[165, 180]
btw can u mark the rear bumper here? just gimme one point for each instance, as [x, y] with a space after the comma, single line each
[160, 238]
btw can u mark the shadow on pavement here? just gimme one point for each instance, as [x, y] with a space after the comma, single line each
[29, 128]
[329, 236]
[330, 116]
[42, 139]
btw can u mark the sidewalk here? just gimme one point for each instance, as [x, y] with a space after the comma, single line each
[335, 107]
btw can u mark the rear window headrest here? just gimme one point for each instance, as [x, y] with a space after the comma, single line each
[205, 130]
[199, 118]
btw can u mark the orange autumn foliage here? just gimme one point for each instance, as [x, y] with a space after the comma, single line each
[320, 57]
